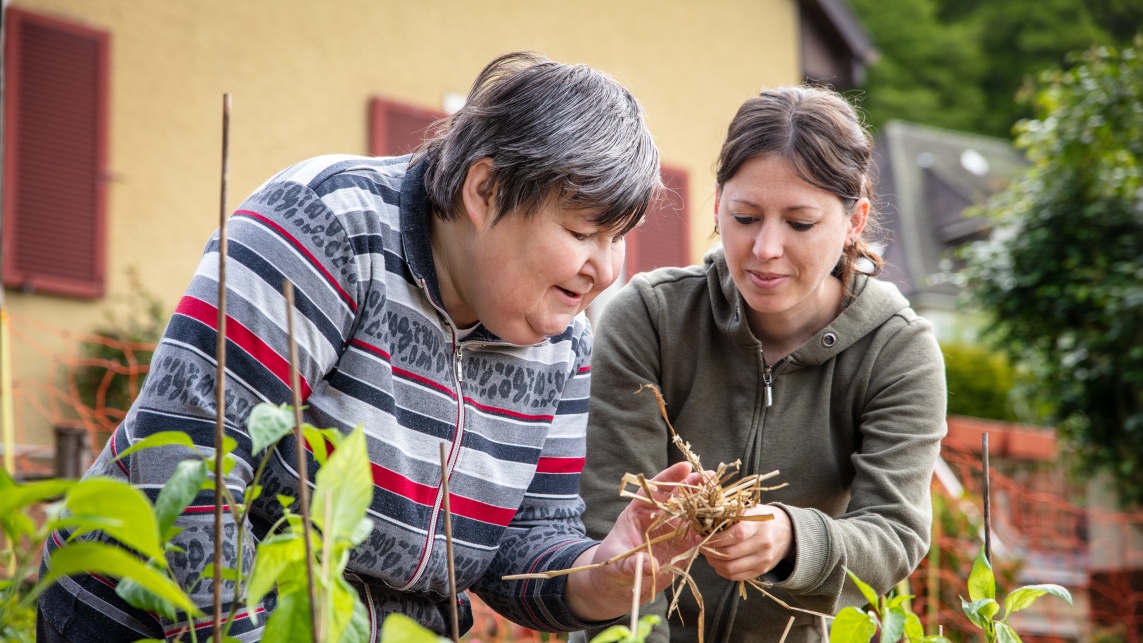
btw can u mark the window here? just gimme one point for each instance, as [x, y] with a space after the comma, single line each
[55, 164]
[397, 128]
[662, 239]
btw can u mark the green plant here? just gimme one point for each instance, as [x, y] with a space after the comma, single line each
[888, 614]
[113, 363]
[79, 508]
[623, 633]
[342, 493]
[982, 607]
[1059, 278]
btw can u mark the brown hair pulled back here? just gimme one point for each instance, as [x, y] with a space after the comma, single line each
[819, 133]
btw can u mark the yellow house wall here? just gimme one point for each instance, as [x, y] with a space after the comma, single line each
[301, 73]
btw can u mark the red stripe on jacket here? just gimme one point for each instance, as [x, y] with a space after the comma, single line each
[206, 313]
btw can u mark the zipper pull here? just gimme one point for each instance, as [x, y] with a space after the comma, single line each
[459, 374]
[768, 386]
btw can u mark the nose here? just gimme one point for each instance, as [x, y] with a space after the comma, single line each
[767, 243]
[604, 262]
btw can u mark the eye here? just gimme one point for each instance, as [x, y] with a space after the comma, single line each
[800, 226]
[743, 219]
[579, 236]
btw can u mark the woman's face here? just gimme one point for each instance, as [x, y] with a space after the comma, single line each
[782, 238]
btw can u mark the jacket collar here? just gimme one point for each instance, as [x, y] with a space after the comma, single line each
[416, 232]
[874, 302]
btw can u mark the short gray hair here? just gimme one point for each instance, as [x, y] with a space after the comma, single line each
[559, 133]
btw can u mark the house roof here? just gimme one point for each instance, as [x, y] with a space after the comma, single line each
[848, 28]
[927, 176]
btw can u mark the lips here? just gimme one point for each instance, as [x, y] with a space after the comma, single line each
[766, 279]
[571, 296]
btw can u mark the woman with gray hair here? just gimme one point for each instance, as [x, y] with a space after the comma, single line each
[785, 352]
[440, 300]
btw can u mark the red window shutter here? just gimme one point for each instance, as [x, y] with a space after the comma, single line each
[397, 128]
[55, 112]
[662, 238]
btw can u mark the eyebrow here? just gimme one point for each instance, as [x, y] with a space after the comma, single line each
[792, 208]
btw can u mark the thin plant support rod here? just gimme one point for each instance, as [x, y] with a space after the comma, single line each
[448, 546]
[987, 500]
[220, 379]
[636, 592]
[300, 452]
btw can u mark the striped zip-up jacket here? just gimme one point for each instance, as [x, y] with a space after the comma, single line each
[375, 348]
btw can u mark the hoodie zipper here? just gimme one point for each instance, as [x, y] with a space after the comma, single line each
[767, 380]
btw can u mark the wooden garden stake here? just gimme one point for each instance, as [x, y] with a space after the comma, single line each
[987, 501]
[786, 632]
[220, 379]
[300, 451]
[448, 546]
[638, 590]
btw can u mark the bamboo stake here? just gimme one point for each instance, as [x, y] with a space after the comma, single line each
[786, 632]
[987, 501]
[448, 547]
[300, 452]
[638, 590]
[220, 380]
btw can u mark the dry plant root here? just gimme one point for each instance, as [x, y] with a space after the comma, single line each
[703, 509]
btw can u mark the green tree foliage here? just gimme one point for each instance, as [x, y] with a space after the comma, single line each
[980, 383]
[1062, 277]
[928, 71]
[970, 64]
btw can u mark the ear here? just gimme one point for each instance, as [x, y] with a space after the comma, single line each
[478, 193]
[857, 219]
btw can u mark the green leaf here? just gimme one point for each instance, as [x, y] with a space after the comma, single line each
[291, 618]
[253, 492]
[644, 626]
[137, 595]
[267, 424]
[344, 489]
[893, 625]
[160, 439]
[914, 631]
[180, 490]
[981, 581]
[361, 531]
[98, 558]
[980, 612]
[866, 590]
[285, 500]
[398, 628]
[614, 634]
[852, 626]
[274, 555]
[228, 573]
[318, 439]
[1005, 634]
[358, 629]
[898, 600]
[345, 602]
[18, 496]
[1022, 597]
[116, 500]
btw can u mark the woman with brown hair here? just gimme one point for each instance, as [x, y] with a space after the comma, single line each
[785, 352]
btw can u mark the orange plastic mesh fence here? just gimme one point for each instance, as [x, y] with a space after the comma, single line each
[70, 379]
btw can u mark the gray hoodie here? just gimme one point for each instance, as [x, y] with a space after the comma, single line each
[854, 428]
